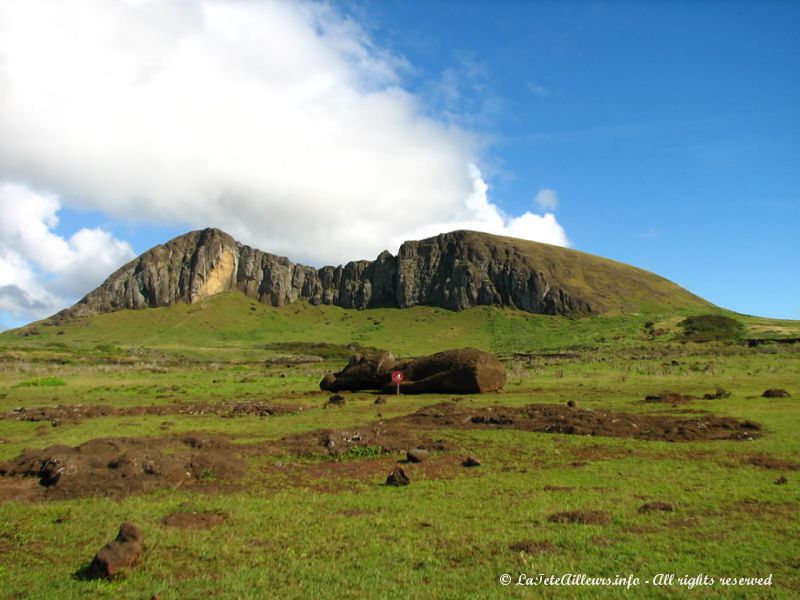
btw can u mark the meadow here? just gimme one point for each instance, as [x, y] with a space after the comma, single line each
[303, 522]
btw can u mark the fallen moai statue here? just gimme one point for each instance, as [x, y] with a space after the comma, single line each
[464, 371]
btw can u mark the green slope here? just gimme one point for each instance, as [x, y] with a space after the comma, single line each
[231, 326]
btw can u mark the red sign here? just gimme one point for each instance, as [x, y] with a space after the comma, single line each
[398, 376]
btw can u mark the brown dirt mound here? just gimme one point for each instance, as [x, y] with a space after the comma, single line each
[769, 462]
[120, 466]
[77, 412]
[556, 418]
[532, 547]
[669, 398]
[581, 517]
[656, 506]
[193, 520]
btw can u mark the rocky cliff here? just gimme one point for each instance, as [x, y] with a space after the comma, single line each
[454, 270]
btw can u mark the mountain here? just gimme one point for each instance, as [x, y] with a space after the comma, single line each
[454, 270]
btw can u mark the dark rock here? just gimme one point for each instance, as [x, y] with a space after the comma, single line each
[465, 371]
[417, 455]
[364, 371]
[380, 400]
[119, 555]
[336, 400]
[471, 462]
[781, 480]
[572, 404]
[775, 393]
[398, 477]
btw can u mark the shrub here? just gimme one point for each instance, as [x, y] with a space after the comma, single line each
[708, 328]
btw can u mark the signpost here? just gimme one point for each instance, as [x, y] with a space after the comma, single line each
[397, 377]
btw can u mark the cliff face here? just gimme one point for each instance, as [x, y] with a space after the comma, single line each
[453, 270]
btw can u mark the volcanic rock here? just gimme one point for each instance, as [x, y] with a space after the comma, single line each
[417, 455]
[398, 477]
[119, 555]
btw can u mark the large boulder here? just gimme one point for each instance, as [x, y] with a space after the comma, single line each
[464, 371]
[118, 556]
[365, 371]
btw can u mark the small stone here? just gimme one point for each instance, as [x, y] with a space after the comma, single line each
[781, 480]
[398, 477]
[417, 455]
[572, 404]
[380, 400]
[471, 462]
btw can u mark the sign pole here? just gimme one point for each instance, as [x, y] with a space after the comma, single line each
[397, 377]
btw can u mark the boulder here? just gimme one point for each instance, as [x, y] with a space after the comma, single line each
[775, 393]
[398, 477]
[119, 555]
[365, 371]
[464, 371]
[417, 455]
[471, 462]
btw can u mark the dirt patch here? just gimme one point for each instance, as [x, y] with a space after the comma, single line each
[194, 520]
[769, 462]
[556, 418]
[557, 488]
[656, 507]
[581, 517]
[533, 547]
[669, 398]
[117, 467]
[76, 413]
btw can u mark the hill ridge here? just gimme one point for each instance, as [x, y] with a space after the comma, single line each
[452, 270]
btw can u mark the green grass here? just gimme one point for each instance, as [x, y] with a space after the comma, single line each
[314, 528]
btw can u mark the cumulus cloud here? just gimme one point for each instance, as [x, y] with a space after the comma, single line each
[547, 200]
[280, 122]
[41, 271]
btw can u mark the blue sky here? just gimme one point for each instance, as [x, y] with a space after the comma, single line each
[668, 132]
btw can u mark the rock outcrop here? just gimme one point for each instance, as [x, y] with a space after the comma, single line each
[454, 270]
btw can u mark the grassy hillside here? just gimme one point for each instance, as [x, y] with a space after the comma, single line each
[318, 525]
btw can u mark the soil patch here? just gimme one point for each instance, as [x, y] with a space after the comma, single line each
[120, 466]
[557, 418]
[194, 520]
[74, 413]
[768, 462]
[669, 398]
[656, 507]
[581, 517]
[532, 547]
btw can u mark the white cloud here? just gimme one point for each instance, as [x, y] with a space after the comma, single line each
[547, 200]
[41, 272]
[279, 122]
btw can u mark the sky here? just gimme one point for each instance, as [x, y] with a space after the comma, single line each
[665, 135]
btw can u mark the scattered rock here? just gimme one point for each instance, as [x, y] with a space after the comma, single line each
[781, 480]
[398, 477]
[669, 398]
[471, 462]
[119, 555]
[581, 517]
[775, 393]
[656, 506]
[417, 455]
[380, 400]
[336, 400]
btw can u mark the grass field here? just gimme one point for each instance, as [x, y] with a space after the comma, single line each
[300, 525]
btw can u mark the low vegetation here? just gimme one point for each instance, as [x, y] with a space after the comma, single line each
[286, 495]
